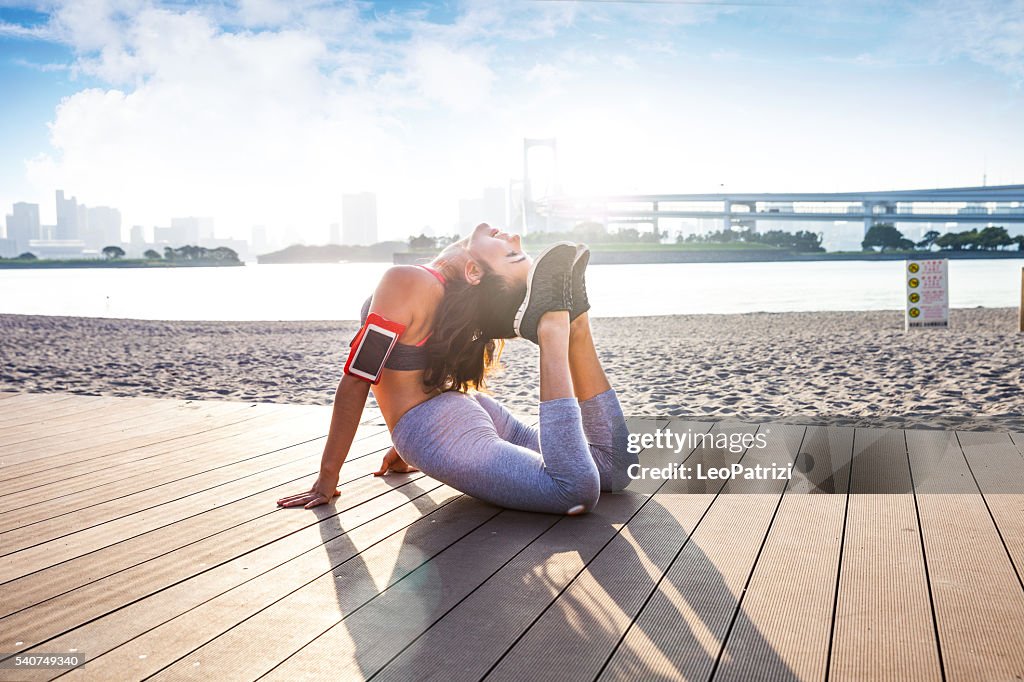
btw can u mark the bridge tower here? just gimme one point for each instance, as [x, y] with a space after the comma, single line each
[527, 213]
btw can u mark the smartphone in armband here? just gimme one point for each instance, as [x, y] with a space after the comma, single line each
[371, 348]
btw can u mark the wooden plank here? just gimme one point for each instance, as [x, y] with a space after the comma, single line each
[110, 464]
[43, 440]
[396, 611]
[783, 629]
[64, 448]
[1018, 440]
[613, 598]
[25, 406]
[976, 593]
[66, 451]
[196, 468]
[38, 608]
[1000, 477]
[290, 464]
[17, 407]
[142, 638]
[53, 419]
[883, 605]
[124, 451]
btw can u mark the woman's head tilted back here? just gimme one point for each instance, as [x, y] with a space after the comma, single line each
[486, 282]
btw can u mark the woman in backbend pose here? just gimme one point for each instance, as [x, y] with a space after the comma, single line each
[448, 316]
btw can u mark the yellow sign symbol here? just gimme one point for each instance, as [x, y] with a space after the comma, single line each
[914, 281]
[914, 267]
[914, 312]
[915, 297]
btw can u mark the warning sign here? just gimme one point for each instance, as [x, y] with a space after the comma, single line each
[927, 293]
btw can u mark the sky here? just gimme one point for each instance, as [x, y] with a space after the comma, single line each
[260, 112]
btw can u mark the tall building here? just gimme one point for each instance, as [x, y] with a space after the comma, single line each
[489, 208]
[23, 225]
[470, 211]
[493, 207]
[166, 236]
[71, 218]
[192, 230]
[104, 227]
[260, 244]
[206, 231]
[138, 237]
[359, 218]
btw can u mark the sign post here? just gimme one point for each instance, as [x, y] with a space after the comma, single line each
[927, 293]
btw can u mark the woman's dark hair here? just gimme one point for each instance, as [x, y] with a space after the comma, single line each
[469, 329]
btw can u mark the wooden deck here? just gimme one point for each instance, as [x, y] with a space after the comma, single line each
[143, 534]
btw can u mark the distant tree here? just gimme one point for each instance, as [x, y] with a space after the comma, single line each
[590, 232]
[221, 254]
[168, 253]
[883, 235]
[958, 241]
[628, 235]
[653, 237]
[928, 239]
[992, 238]
[422, 242]
[28, 255]
[152, 255]
[1020, 242]
[808, 241]
[948, 242]
[113, 252]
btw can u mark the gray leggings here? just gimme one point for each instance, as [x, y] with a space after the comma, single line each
[475, 445]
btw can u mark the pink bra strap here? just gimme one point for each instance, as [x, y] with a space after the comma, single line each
[440, 278]
[434, 272]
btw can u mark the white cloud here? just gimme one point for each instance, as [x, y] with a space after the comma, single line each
[245, 125]
[459, 80]
[990, 32]
[8, 30]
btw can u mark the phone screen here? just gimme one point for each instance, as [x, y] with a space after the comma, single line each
[371, 352]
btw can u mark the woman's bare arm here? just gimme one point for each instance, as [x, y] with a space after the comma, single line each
[391, 300]
[349, 400]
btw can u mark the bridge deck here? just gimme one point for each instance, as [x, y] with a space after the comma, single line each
[143, 534]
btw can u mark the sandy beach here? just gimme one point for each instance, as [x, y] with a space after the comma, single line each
[838, 368]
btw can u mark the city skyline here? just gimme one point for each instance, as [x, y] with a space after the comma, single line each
[267, 115]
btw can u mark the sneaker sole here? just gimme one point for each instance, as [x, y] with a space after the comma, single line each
[583, 256]
[529, 281]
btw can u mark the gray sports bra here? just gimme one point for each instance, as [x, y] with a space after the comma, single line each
[403, 356]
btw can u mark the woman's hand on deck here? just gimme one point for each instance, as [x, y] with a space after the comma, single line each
[393, 462]
[323, 491]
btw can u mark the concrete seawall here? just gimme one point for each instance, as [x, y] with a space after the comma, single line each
[746, 256]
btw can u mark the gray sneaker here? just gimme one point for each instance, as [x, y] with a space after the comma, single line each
[580, 304]
[548, 287]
